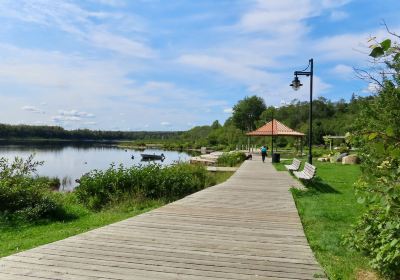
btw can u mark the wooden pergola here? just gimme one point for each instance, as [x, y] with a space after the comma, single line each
[276, 128]
[330, 138]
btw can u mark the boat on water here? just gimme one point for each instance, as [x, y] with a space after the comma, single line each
[147, 157]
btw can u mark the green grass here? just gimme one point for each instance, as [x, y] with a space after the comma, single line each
[215, 178]
[328, 207]
[17, 236]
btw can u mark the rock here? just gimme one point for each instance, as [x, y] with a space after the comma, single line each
[351, 159]
[323, 159]
[341, 156]
[199, 160]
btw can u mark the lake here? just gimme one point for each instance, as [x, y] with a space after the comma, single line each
[70, 161]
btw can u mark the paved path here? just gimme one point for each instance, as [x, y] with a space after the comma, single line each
[245, 228]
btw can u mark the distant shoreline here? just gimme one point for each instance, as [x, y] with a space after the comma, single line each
[56, 140]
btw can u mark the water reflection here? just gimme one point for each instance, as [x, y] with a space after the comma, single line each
[69, 162]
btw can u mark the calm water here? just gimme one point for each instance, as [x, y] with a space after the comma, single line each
[71, 162]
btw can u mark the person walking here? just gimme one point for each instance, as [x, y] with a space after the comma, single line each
[263, 153]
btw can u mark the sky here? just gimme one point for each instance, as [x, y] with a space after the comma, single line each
[174, 64]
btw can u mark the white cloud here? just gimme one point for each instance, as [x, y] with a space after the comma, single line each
[342, 47]
[63, 119]
[227, 67]
[112, 3]
[343, 71]
[228, 110]
[75, 113]
[334, 3]
[90, 123]
[350, 47]
[284, 16]
[277, 17]
[261, 63]
[165, 123]
[79, 23]
[121, 45]
[372, 88]
[33, 109]
[338, 15]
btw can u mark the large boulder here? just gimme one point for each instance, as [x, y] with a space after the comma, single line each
[351, 159]
[337, 157]
[341, 156]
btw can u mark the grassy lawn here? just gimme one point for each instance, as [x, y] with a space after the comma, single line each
[327, 209]
[19, 236]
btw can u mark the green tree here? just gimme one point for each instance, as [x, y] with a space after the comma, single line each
[216, 125]
[378, 134]
[247, 111]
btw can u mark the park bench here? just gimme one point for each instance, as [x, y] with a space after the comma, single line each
[307, 173]
[294, 166]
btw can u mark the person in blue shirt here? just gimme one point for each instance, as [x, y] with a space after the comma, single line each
[263, 153]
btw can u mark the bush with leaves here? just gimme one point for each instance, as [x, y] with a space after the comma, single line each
[378, 136]
[231, 159]
[98, 189]
[22, 195]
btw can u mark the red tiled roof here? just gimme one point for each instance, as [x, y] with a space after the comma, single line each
[279, 129]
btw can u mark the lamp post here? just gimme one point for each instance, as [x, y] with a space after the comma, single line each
[296, 84]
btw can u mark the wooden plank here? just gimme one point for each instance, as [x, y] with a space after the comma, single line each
[221, 169]
[244, 228]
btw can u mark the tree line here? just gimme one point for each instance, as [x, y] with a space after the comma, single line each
[56, 132]
[329, 118]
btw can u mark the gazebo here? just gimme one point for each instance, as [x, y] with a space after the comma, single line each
[276, 128]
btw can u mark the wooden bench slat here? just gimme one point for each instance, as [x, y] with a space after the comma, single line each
[295, 165]
[307, 173]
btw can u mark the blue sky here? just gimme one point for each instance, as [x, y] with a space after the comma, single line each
[173, 64]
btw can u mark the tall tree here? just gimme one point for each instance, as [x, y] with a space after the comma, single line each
[247, 111]
[216, 125]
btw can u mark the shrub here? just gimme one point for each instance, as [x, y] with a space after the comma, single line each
[100, 188]
[317, 153]
[53, 183]
[231, 159]
[343, 149]
[378, 135]
[23, 196]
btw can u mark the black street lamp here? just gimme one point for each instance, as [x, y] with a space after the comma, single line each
[296, 84]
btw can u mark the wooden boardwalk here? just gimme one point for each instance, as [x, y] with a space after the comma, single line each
[245, 228]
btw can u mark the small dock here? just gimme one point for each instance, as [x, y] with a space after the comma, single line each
[245, 228]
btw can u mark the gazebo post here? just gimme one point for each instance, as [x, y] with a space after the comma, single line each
[272, 132]
[301, 145]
